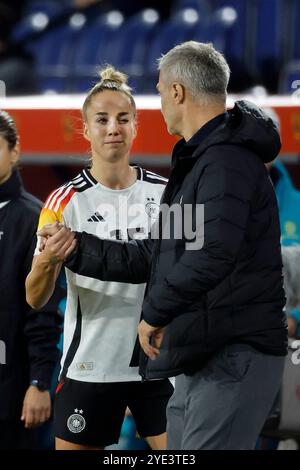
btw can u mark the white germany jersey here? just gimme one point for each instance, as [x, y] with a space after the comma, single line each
[101, 318]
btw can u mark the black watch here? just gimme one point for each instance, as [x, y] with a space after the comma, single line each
[40, 385]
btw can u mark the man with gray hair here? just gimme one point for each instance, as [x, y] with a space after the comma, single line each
[213, 312]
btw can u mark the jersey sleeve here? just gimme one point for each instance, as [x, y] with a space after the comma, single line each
[53, 208]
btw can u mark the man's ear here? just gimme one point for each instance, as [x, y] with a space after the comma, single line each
[178, 92]
[86, 134]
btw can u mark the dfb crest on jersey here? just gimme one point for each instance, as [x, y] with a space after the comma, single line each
[76, 422]
[151, 208]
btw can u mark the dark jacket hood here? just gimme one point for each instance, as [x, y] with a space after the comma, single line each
[248, 126]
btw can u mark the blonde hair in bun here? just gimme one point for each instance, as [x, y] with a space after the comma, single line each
[110, 79]
[111, 74]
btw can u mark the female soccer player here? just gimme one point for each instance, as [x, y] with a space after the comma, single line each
[114, 200]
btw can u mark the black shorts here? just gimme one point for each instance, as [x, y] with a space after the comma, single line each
[88, 413]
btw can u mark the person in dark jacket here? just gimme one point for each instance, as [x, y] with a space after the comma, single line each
[288, 198]
[213, 308]
[28, 338]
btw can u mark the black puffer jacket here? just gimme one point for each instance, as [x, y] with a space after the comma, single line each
[231, 289]
[30, 337]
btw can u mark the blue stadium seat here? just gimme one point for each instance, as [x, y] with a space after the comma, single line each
[236, 48]
[225, 27]
[54, 51]
[138, 32]
[48, 7]
[217, 28]
[294, 30]
[267, 41]
[36, 18]
[296, 36]
[97, 46]
[203, 7]
[178, 29]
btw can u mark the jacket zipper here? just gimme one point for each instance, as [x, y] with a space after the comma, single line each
[144, 359]
[157, 247]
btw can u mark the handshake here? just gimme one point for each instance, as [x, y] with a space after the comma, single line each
[56, 242]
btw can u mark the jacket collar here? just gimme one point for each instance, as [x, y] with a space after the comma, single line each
[12, 188]
[187, 149]
[244, 125]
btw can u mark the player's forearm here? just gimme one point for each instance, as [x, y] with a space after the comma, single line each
[40, 282]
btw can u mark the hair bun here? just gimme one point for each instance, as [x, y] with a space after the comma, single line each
[110, 74]
[111, 80]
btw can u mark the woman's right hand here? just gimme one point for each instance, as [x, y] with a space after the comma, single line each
[57, 243]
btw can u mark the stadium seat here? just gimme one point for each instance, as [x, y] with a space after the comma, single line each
[47, 6]
[36, 18]
[294, 30]
[97, 46]
[138, 31]
[202, 6]
[217, 27]
[236, 39]
[267, 40]
[54, 52]
[296, 35]
[179, 28]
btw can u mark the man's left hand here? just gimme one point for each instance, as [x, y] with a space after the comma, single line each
[146, 334]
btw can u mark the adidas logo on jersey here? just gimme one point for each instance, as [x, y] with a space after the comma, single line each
[96, 218]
